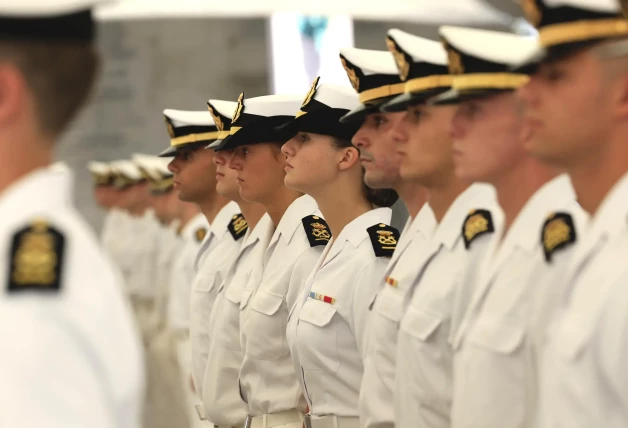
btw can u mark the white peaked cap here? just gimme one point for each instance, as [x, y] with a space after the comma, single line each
[180, 118]
[371, 61]
[127, 168]
[273, 105]
[494, 46]
[336, 96]
[98, 167]
[420, 48]
[225, 108]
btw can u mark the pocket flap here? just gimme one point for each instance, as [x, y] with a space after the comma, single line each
[570, 338]
[266, 302]
[205, 284]
[419, 323]
[317, 313]
[234, 293]
[245, 296]
[496, 336]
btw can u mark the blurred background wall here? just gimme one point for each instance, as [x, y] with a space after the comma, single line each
[149, 65]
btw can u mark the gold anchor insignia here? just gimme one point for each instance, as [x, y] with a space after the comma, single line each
[310, 94]
[400, 59]
[238, 112]
[532, 11]
[474, 225]
[169, 127]
[217, 120]
[36, 258]
[239, 225]
[353, 77]
[320, 232]
[555, 233]
[454, 61]
[386, 237]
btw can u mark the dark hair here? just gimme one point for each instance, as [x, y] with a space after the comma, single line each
[60, 76]
[377, 197]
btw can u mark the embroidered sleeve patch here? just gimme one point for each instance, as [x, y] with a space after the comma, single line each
[384, 239]
[316, 229]
[558, 232]
[477, 223]
[36, 259]
[238, 226]
[200, 234]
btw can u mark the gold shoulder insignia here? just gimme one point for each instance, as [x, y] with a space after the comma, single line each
[238, 226]
[200, 234]
[558, 232]
[384, 239]
[316, 229]
[400, 58]
[238, 110]
[454, 60]
[532, 12]
[351, 74]
[169, 127]
[37, 258]
[310, 95]
[477, 223]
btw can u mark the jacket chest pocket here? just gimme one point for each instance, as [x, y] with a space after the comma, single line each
[265, 326]
[206, 283]
[490, 373]
[231, 314]
[420, 324]
[317, 337]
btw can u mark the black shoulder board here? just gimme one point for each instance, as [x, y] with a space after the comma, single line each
[558, 232]
[200, 234]
[316, 229]
[36, 259]
[477, 223]
[384, 239]
[238, 226]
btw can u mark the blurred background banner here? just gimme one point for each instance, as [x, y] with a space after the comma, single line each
[179, 53]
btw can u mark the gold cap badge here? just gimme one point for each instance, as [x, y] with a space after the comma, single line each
[238, 111]
[400, 58]
[351, 74]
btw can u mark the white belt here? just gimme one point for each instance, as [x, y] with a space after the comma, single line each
[332, 421]
[274, 419]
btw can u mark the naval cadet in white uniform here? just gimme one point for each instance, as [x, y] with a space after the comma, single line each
[327, 327]
[220, 392]
[494, 366]
[71, 354]
[376, 405]
[221, 245]
[576, 100]
[447, 264]
[268, 382]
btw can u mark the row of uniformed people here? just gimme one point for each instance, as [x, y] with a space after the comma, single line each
[478, 319]
[161, 255]
[501, 315]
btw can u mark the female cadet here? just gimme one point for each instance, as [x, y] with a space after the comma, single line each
[268, 383]
[327, 325]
